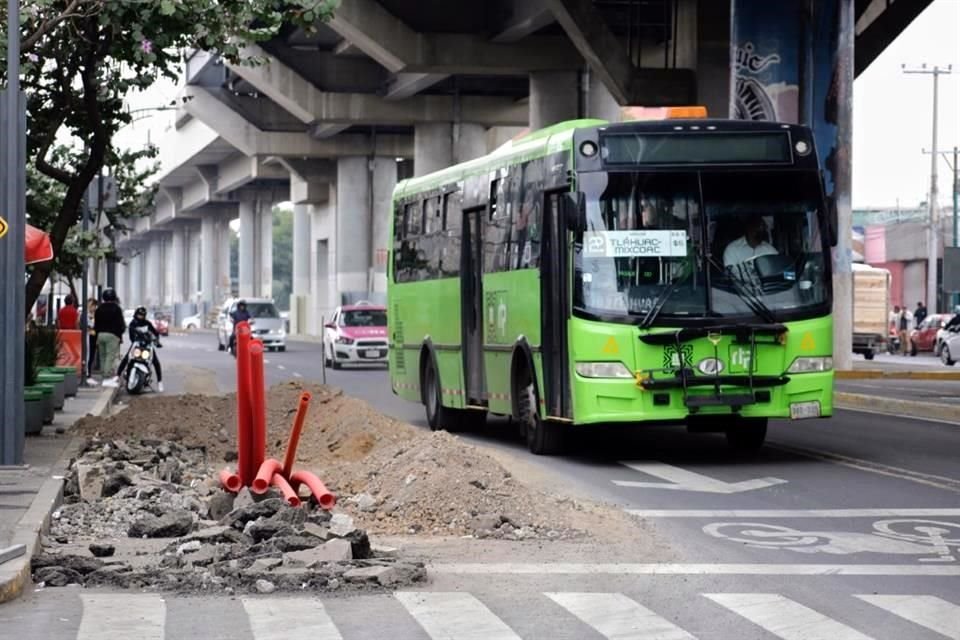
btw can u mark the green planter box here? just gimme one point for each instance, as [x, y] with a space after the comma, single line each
[70, 377]
[33, 410]
[48, 408]
[60, 387]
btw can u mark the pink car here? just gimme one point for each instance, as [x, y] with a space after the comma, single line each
[357, 334]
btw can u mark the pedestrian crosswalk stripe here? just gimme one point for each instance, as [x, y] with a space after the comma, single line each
[121, 617]
[785, 618]
[927, 611]
[455, 616]
[276, 618]
[617, 617]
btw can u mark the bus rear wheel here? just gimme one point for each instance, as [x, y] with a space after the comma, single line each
[441, 417]
[747, 434]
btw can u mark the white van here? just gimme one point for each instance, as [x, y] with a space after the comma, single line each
[265, 322]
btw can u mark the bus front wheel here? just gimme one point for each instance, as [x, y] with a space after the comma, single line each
[747, 434]
[543, 437]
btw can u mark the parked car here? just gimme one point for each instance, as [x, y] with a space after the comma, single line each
[191, 322]
[925, 337]
[950, 347]
[161, 322]
[357, 334]
[265, 323]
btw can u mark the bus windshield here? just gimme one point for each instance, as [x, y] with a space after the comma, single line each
[691, 244]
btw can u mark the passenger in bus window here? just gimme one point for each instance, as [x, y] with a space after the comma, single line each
[752, 244]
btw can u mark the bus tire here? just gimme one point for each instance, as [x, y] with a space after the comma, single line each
[747, 434]
[543, 437]
[438, 416]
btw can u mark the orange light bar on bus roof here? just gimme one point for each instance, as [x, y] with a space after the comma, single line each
[663, 113]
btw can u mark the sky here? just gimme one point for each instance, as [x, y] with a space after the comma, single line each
[893, 113]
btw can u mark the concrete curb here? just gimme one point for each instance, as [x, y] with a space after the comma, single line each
[891, 374]
[15, 574]
[892, 406]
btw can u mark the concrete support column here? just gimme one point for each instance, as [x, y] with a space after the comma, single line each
[265, 249]
[208, 254]
[384, 181]
[178, 267]
[470, 141]
[194, 269]
[432, 148]
[135, 279]
[224, 285]
[248, 234]
[301, 250]
[600, 102]
[553, 98]
[154, 280]
[120, 283]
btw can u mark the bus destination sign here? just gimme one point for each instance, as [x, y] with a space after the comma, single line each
[635, 244]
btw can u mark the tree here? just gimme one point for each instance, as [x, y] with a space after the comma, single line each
[282, 256]
[81, 58]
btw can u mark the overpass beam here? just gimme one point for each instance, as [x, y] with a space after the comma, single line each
[214, 259]
[442, 144]
[553, 98]
[256, 247]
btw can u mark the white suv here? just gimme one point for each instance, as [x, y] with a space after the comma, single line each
[357, 334]
[265, 323]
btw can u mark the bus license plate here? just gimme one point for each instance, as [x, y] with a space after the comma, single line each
[803, 410]
[371, 353]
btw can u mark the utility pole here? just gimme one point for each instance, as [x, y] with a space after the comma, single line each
[933, 244]
[955, 169]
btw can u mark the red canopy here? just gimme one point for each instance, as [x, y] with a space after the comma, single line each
[38, 247]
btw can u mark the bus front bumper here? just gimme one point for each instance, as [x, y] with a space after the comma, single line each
[799, 396]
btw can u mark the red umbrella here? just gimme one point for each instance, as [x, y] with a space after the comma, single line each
[38, 247]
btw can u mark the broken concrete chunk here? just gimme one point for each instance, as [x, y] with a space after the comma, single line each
[220, 504]
[57, 576]
[188, 547]
[114, 483]
[341, 525]
[332, 551]
[383, 575]
[102, 550]
[262, 565]
[265, 586]
[316, 530]
[267, 528]
[364, 502]
[240, 516]
[90, 480]
[216, 534]
[294, 543]
[170, 525]
[485, 522]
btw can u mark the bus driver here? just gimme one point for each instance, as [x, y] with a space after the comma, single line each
[752, 244]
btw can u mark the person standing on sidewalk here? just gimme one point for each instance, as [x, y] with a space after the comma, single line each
[109, 324]
[920, 314]
[92, 305]
[68, 316]
[903, 326]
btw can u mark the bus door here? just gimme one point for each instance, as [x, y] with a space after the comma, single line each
[471, 305]
[555, 309]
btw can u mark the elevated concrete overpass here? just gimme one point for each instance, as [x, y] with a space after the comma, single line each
[392, 88]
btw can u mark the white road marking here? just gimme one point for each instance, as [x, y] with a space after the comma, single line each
[122, 616]
[265, 361]
[617, 617]
[297, 375]
[792, 513]
[683, 480]
[281, 367]
[676, 569]
[785, 618]
[455, 616]
[927, 611]
[281, 618]
[931, 480]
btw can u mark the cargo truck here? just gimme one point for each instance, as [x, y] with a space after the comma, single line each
[871, 309]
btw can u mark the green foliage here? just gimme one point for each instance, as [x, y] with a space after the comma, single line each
[43, 342]
[82, 58]
[282, 256]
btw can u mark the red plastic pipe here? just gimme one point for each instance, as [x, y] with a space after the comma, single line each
[258, 405]
[262, 482]
[324, 497]
[291, 456]
[288, 493]
[245, 468]
[230, 481]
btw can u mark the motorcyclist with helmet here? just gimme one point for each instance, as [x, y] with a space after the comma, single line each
[140, 323]
[238, 315]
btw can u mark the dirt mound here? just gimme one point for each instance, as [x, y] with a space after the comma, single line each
[393, 477]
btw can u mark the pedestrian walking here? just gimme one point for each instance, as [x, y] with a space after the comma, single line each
[920, 314]
[92, 305]
[109, 324]
[903, 325]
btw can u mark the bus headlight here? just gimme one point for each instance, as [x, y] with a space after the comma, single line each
[603, 370]
[811, 365]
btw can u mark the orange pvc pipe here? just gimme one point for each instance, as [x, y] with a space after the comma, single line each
[291, 456]
[288, 493]
[245, 468]
[258, 405]
[262, 482]
[230, 481]
[324, 497]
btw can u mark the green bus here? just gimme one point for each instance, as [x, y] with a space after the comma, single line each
[675, 271]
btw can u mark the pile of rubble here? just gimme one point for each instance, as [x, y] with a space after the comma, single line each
[149, 514]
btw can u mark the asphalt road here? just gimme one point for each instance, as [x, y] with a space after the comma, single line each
[938, 391]
[839, 529]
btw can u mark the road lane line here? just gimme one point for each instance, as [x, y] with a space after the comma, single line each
[929, 479]
[122, 616]
[931, 612]
[297, 375]
[785, 618]
[281, 367]
[792, 513]
[677, 569]
[454, 616]
[281, 618]
[617, 617]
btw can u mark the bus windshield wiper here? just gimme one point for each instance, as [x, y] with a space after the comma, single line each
[753, 302]
[659, 303]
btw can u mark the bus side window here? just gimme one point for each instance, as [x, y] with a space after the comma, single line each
[452, 220]
[432, 240]
[496, 235]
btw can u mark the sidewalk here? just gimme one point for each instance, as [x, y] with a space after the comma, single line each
[29, 493]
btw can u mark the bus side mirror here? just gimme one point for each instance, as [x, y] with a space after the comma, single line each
[573, 211]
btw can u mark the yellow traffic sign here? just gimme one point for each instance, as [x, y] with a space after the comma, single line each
[3, 227]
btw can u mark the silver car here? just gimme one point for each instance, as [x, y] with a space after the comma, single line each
[950, 345]
[265, 322]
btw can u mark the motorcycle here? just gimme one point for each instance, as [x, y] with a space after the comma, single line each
[138, 373]
[893, 342]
